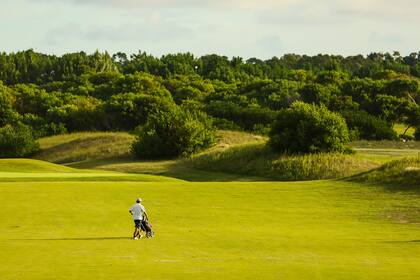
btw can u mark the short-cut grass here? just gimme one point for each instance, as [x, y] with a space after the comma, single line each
[268, 230]
[16, 170]
[31, 165]
[385, 151]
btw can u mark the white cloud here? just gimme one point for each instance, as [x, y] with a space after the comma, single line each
[249, 4]
[404, 10]
[230, 27]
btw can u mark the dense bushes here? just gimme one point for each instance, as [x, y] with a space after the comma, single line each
[79, 92]
[306, 128]
[248, 118]
[417, 134]
[174, 133]
[17, 141]
[368, 127]
[128, 110]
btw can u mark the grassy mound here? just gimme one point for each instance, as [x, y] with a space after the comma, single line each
[258, 160]
[31, 165]
[238, 156]
[87, 148]
[77, 147]
[110, 151]
[401, 173]
[29, 170]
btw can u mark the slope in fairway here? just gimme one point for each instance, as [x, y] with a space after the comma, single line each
[310, 230]
[15, 170]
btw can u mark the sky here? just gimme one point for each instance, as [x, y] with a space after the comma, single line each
[246, 28]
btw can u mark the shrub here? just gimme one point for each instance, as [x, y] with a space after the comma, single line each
[245, 117]
[369, 127]
[42, 128]
[17, 141]
[128, 110]
[174, 133]
[417, 134]
[305, 128]
[261, 129]
[225, 124]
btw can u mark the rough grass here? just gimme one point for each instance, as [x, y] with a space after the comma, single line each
[84, 150]
[259, 160]
[85, 146]
[227, 138]
[81, 149]
[398, 174]
[229, 160]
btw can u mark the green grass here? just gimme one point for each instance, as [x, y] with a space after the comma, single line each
[386, 144]
[17, 170]
[229, 160]
[385, 151]
[88, 148]
[85, 146]
[30, 165]
[110, 151]
[400, 128]
[296, 230]
[258, 160]
[398, 174]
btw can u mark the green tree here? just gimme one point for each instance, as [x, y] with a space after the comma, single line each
[7, 113]
[306, 128]
[174, 133]
[17, 141]
[128, 110]
[417, 134]
[189, 87]
[368, 127]
[316, 94]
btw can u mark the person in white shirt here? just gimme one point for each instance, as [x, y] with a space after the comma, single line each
[139, 213]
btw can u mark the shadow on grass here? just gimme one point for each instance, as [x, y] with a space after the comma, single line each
[76, 238]
[167, 167]
[404, 241]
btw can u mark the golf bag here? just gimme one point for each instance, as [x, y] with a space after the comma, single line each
[147, 227]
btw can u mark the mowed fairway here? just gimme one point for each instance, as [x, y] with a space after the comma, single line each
[301, 230]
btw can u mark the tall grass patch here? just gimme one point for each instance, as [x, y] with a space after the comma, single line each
[258, 159]
[403, 173]
[78, 147]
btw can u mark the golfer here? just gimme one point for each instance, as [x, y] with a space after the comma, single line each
[138, 212]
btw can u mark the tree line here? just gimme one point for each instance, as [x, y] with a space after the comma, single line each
[78, 92]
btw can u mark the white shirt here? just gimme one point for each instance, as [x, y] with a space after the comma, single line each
[137, 210]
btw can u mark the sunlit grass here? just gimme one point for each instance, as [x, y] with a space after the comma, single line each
[297, 230]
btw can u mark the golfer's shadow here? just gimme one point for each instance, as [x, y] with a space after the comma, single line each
[78, 238]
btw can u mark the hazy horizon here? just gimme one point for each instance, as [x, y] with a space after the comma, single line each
[245, 28]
